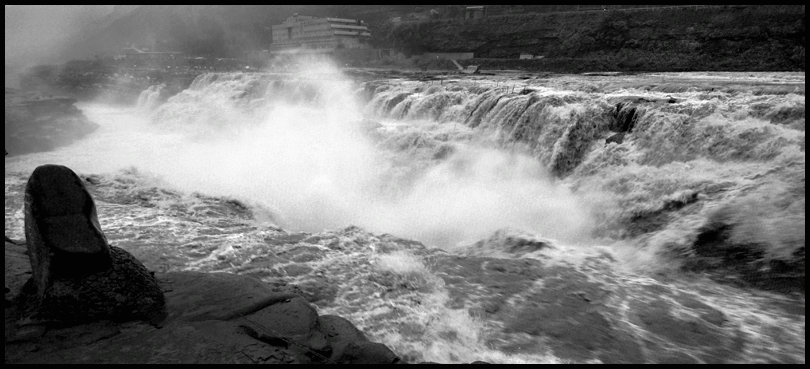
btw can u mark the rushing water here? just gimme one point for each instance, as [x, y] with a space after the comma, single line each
[150, 97]
[464, 166]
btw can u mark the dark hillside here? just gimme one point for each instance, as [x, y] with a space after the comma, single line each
[679, 39]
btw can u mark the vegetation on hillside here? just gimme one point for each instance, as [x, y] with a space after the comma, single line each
[681, 39]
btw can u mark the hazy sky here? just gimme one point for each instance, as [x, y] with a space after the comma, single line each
[36, 33]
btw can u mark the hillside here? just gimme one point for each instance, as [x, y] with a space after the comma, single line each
[658, 38]
[715, 38]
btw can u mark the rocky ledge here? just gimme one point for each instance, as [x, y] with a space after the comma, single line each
[72, 298]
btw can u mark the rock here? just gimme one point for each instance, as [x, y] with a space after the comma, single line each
[363, 352]
[77, 276]
[17, 269]
[27, 333]
[195, 296]
[617, 138]
[625, 116]
[339, 329]
[178, 342]
[350, 345]
[509, 240]
[61, 226]
[294, 320]
[84, 334]
[252, 324]
[124, 291]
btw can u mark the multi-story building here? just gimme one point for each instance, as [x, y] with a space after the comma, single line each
[475, 12]
[319, 34]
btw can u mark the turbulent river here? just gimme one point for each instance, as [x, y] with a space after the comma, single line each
[499, 218]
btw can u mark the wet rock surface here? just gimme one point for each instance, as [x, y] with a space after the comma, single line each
[124, 291]
[217, 318]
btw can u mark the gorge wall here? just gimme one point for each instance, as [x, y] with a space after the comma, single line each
[677, 39]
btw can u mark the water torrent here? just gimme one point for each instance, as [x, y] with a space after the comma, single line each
[417, 187]
[150, 97]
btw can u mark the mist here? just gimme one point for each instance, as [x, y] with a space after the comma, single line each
[40, 34]
[302, 150]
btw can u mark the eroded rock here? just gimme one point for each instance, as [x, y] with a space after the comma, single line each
[290, 320]
[61, 227]
[212, 318]
[339, 329]
[124, 291]
[77, 276]
[195, 296]
[617, 138]
[363, 352]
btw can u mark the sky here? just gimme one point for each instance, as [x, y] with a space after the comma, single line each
[37, 33]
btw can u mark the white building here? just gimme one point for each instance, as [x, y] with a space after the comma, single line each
[319, 34]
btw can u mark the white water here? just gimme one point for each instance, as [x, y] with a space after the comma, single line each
[450, 164]
[306, 147]
[312, 162]
[150, 97]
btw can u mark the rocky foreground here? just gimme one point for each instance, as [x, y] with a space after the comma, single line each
[507, 293]
[70, 297]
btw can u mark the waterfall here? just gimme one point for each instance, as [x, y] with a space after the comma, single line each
[149, 98]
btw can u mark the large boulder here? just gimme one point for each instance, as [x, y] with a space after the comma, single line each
[61, 226]
[77, 275]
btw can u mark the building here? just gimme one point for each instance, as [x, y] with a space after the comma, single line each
[313, 34]
[475, 12]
